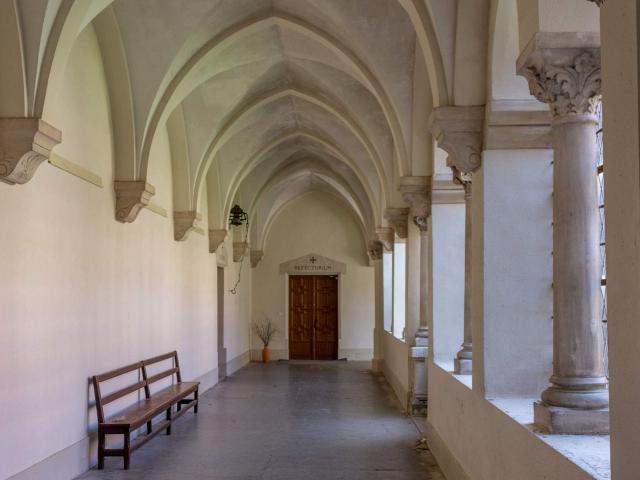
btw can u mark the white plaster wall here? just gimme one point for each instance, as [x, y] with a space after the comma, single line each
[396, 366]
[468, 434]
[512, 302]
[317, 223]
[82, 293]
[448, 279]
[237, 308]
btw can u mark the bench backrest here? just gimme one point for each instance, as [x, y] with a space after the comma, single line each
[144, 381]
[175, 370]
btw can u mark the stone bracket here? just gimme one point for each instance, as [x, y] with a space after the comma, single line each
[416, 191]
[183, 223]
[458, 131]
[24, 144]
[240, 250]
[216, 237]
[131, 197]
[385, 237]
[398, 219]
[374, 250]
[255, 256]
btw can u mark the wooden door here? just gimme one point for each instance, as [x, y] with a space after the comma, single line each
[313, 317]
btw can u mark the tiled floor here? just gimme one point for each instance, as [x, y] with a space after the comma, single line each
[303, 421]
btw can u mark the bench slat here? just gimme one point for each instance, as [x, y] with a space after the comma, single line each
[122, 392]
[159, 358]
[161, 375]
[142, 411]
[118, 371]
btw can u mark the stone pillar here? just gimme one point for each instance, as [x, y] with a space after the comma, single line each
[458, 130]
[375, 255]
[464, 359]
[620, 21]
[416, 191]
[563, 70]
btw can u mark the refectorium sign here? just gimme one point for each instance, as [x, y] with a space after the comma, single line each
[313, 264]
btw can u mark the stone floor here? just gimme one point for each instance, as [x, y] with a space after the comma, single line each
[303, 421]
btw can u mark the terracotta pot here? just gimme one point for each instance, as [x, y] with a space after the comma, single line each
[265, 354]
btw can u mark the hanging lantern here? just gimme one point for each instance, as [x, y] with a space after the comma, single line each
[237, 216]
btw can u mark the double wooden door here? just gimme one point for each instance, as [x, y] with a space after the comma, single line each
[313, 317]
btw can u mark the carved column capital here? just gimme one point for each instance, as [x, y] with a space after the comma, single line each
[131, 197]
[458, 131]
[216, 237]
[563, 70]
[240, 250]
[463, 179]
[255, 256]
[24, 144]
[398, 219]
[374, 250]
[416, 191]
[183, 223]
[385, 237]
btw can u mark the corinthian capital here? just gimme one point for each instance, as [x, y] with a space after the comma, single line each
[398, 218]
[563, 70]
[458, 131]
[416, 191]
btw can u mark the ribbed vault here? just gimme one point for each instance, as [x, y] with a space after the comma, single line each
[258, 97]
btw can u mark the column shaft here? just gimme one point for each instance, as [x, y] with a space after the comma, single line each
[578, 379]
[463, 360]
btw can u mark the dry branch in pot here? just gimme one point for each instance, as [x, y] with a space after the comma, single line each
[265, 330]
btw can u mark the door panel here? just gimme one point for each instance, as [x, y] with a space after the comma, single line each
[313, 317]
[301, 293]
[326, 325]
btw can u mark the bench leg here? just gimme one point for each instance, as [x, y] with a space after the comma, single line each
[195, 397]
[148, 427]
[101, 440]
[179, 406]
[127, 450]
[169, 419]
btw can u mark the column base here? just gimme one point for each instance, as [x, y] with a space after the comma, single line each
[462, 366]
[419, 405]
[418, 380]
[570, 421]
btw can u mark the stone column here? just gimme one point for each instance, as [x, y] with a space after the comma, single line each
[458, 130]
[464, 359]
[416, 191]
[563, 71]
[374, 251]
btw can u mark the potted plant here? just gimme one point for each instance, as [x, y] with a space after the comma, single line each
[265, 330]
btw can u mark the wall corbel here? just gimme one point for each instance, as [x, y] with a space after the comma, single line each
[24, 144]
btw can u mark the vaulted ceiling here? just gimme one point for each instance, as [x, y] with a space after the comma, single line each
[262, 99]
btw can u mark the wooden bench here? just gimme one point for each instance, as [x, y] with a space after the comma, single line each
[143, 411]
